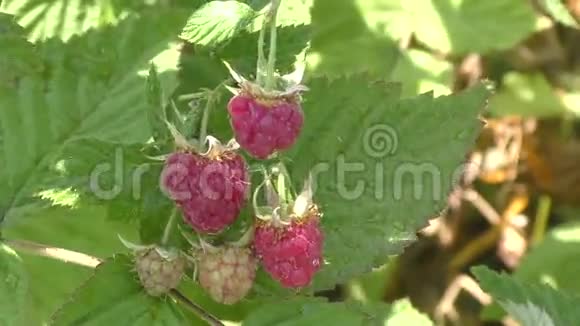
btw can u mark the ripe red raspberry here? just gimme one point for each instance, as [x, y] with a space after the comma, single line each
[291, 254]
[263, 126]
[210, 189]
[227, 274]
[158, 274]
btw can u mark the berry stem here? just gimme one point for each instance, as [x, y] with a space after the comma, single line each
[199, 311]
[64, 255]
[169, 227]
[270, 80]
[211, 96]
[261, 66]
[205, 120]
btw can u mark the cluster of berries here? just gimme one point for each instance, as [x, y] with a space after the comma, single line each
[211, 189]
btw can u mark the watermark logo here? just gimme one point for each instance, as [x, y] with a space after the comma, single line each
[378, 174]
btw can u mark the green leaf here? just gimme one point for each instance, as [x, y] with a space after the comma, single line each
[420, 72]
[303, 311]
[17, 56]
[95, 87]
[44, 19]
[402, 312]
[50, 280]
[113, 296]
[217, 22]
[531, 304]
[559, 12]
[358, 27]
[156, 103]
[343, 43]
[526, 95]
[13, 286]
[235, 312]
[372, 286]
[554, 261]
[461, 26]
[121, 178]
[62, 18]
[380, 181]
[295, 12]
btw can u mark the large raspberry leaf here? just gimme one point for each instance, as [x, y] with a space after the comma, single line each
[381, 166]
[17, 55]
[113, 296]
[122, 179]
[372, 26]
[93, 86]
[457, 26]
[45, 19]
[463, 26]
[302, 311]
[420, 72]
[531, 304]
[343, 43]
[13, 286]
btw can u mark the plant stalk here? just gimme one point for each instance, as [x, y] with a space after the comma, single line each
[64, 255]
[271, 68]
[205, 119]
[542, 217]
[261, 57]
[169, 227]
[199, 311]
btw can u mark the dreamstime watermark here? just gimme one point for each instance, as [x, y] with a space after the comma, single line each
[382, 168]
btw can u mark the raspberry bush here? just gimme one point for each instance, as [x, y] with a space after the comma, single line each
[188, 126]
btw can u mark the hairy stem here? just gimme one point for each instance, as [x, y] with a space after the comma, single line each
[261, 57]
[270, 80]
[205, 119]
[169, 227]
[199, 311]
[542, 217]
[64, 255]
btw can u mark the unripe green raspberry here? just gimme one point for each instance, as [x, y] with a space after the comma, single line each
[159, 273]
[227, 273]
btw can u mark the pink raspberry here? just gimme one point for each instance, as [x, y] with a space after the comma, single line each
[227, 274]
[291, 254]
[210, 190]
[263, 126]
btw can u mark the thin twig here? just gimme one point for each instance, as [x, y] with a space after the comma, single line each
[169, 227]
[65, 255]
[475, 248]
[446, 305]
[271, 66]
[260, 67]
[482, 205]
[542, 217]
[199, 311]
